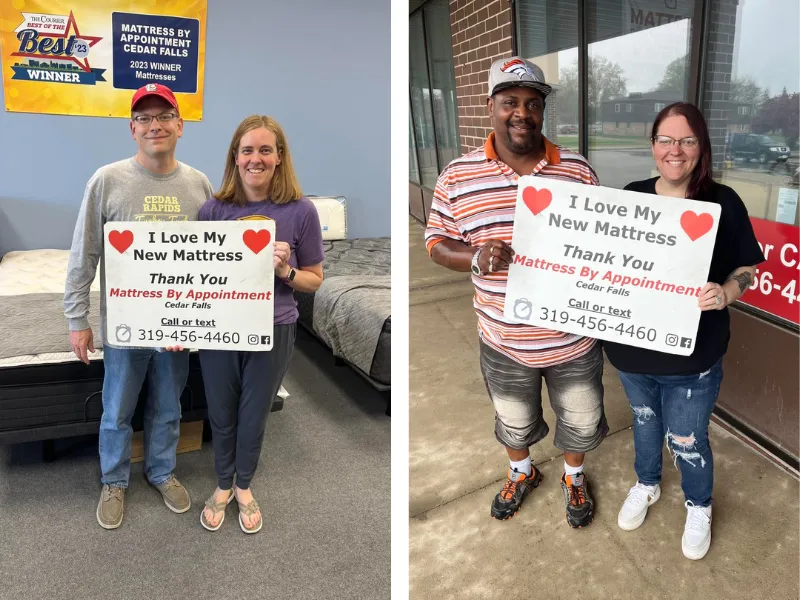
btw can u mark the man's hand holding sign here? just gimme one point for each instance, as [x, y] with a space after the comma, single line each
[611, 264]
[192, 284]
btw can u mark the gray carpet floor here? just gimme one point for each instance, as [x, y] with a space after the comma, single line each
[323, 484]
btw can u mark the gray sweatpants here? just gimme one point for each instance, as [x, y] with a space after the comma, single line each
[240, 388]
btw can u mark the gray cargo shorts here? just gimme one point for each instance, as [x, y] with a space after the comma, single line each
[576, 396]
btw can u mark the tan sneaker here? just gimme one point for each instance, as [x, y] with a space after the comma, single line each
[109, 509]
[175, 495]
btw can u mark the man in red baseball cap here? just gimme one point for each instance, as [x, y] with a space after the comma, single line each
[156, 125]
[150, 186]
[154, 89]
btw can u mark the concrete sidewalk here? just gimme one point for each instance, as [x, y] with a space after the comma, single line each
[456, 468]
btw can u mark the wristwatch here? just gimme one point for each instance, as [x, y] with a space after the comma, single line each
[290, 276]
[475, 268]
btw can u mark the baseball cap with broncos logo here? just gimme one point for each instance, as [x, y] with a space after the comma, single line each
[516, 72]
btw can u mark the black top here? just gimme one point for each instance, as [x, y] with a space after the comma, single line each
[735, 247]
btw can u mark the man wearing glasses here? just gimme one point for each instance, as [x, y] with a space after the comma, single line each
[469, 229]
[150, 186]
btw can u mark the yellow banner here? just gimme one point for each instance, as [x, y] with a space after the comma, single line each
[88, 57]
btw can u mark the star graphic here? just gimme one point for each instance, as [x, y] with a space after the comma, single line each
[70, 24]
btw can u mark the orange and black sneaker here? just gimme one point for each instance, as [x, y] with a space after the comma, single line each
[508, 501]
[580, 506]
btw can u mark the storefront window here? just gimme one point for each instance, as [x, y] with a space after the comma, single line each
[752, 103]
[413, 165]
[434, 115]
[638, 64]
[756, 118]
[440, 66]
[421, 111]
[548, 36]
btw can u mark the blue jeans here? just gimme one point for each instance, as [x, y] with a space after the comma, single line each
[125, 372]
[677, 409]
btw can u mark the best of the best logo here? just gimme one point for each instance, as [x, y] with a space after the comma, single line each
[53, 50]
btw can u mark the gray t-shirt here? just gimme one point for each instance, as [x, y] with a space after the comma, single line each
[123, 191]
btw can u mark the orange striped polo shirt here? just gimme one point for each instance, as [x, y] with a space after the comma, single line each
[474, 201]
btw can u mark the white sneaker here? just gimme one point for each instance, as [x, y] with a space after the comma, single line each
[634, 510]
[697, 532]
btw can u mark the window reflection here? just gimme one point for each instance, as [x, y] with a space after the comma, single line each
[628, 87]
[754, 126]
[434, 114]
[548, 37]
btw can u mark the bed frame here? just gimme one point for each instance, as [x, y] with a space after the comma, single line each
[49, 401]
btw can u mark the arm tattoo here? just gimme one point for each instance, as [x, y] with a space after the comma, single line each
[743, 279]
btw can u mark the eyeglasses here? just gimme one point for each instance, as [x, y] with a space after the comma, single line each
[147, 119]
[664, 141]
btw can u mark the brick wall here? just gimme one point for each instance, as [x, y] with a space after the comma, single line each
[721, 35]
[481, 32]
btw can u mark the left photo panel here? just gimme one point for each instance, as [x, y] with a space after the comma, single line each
[195, 299]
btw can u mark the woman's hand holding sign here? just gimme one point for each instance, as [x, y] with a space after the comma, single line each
[712, 297]
[280, 258]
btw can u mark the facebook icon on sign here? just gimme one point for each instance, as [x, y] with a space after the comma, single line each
[686, 342]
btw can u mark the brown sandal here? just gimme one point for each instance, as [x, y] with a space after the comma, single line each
[250, 509]
[216, 507]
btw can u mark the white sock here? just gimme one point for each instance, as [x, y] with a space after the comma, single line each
[572, 470]
[522, 466]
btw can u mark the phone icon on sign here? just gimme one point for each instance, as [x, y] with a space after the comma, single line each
[672, 339]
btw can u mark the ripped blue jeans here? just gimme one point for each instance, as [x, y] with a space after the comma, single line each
[674, 409]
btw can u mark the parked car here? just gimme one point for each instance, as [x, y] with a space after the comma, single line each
[568, 129]
[759, 148]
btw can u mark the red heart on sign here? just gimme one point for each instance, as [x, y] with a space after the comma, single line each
[256, 240]
[696, 226]
[121, 240]
[536, 200]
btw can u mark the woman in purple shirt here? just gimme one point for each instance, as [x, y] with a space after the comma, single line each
[259, 183]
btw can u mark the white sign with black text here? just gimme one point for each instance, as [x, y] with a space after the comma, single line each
[610, 264]
[205, 285]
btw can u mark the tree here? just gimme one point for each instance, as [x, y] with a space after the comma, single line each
[567, 95]
[606, 82]
[780, 114]
[674, 79]
[745, 91]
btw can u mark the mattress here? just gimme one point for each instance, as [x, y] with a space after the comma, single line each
[362, 257]
[32, 321]
[47, 358]
[36, 272]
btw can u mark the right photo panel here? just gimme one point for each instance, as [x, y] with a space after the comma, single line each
[604, 298]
